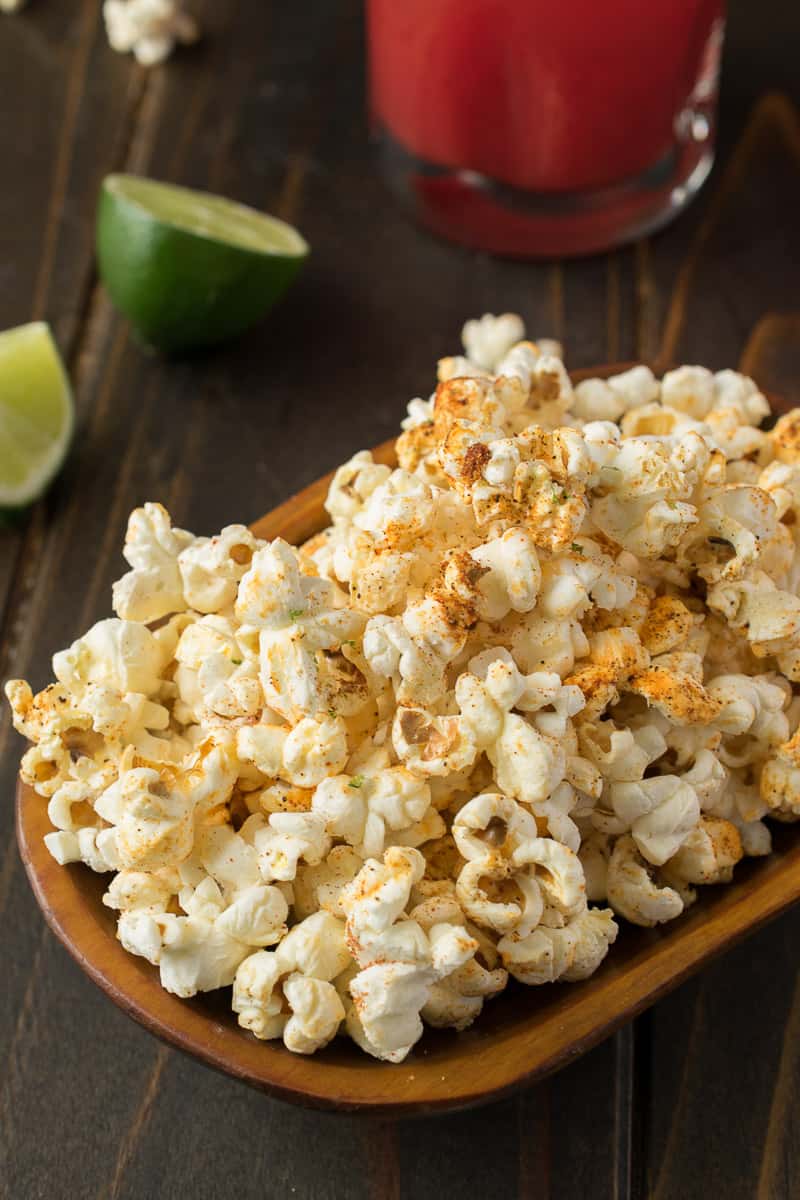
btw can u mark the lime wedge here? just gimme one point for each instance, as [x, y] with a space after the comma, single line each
[187, 268]
[36, 413]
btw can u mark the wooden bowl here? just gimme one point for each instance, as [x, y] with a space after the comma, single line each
[521, 1036]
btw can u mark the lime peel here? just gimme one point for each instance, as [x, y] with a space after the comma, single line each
[188, 268]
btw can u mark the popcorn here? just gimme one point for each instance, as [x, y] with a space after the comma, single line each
[366, 809]
[780, 787]
[689, 390]
[415, 664]
[303, 755]
[138, 891]
[456, 1000]
[315, 947]
[751, 718]
[120, 654]
[488, 340]
[620, 754]
[430, 745]
[149, 28]
[528, 765]
[492, 823]
[288, 992]
[544, 664]
[401, 962]
[387, 998]
[374, 901]
[512, 575]
[608, 399]
[499, 886]
[194, 954]
[667, 625]
[353, 483]
[767, 616]
[659, 812]
[259, 1008]
[632, 889]
[286, 839]
[64, 847]
[153, 825]
[318, 887]
[676, 694]
[708, 855]
[457, 367]
[541, 643]
[594, 854]
[580, 578]
[153, 588]
[735, 517]
[211, 568]
[570, 953]
[532, 376]
[317, 1013]
[215, 676]
[615, 656]
[785, 437]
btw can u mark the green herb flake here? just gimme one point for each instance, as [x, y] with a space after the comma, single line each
[237, 662]
[671, 504]
[356, 782]
[294, 613]
[576, 548]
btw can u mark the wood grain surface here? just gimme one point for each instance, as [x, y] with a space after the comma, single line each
[698, 1098]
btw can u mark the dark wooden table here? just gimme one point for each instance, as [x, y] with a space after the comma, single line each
[701, 1097]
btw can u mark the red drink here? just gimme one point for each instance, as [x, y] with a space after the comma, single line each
[545, 126]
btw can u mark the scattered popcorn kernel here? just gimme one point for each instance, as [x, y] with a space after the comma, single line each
[149, 28]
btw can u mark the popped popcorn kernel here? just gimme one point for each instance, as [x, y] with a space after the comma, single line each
[149, 28]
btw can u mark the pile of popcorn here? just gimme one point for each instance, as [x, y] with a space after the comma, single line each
[536, 677]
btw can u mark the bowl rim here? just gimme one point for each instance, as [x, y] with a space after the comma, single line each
[479, 1068]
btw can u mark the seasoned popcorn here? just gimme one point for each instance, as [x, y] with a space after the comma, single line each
[539, 676]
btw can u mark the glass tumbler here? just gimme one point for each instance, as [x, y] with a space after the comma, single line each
[542, 128]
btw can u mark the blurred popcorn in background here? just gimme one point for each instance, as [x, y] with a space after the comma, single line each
[149, 29]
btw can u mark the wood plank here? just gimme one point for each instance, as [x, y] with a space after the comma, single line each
[723, 1056]
[716, 296]
[68, 115]
[56, 135]
[239, 1143]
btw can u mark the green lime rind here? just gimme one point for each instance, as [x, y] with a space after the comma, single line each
[12, 519]
[36, 414]
[189, 269]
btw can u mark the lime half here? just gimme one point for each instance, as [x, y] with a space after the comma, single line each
[36, 413]
[187, 268]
